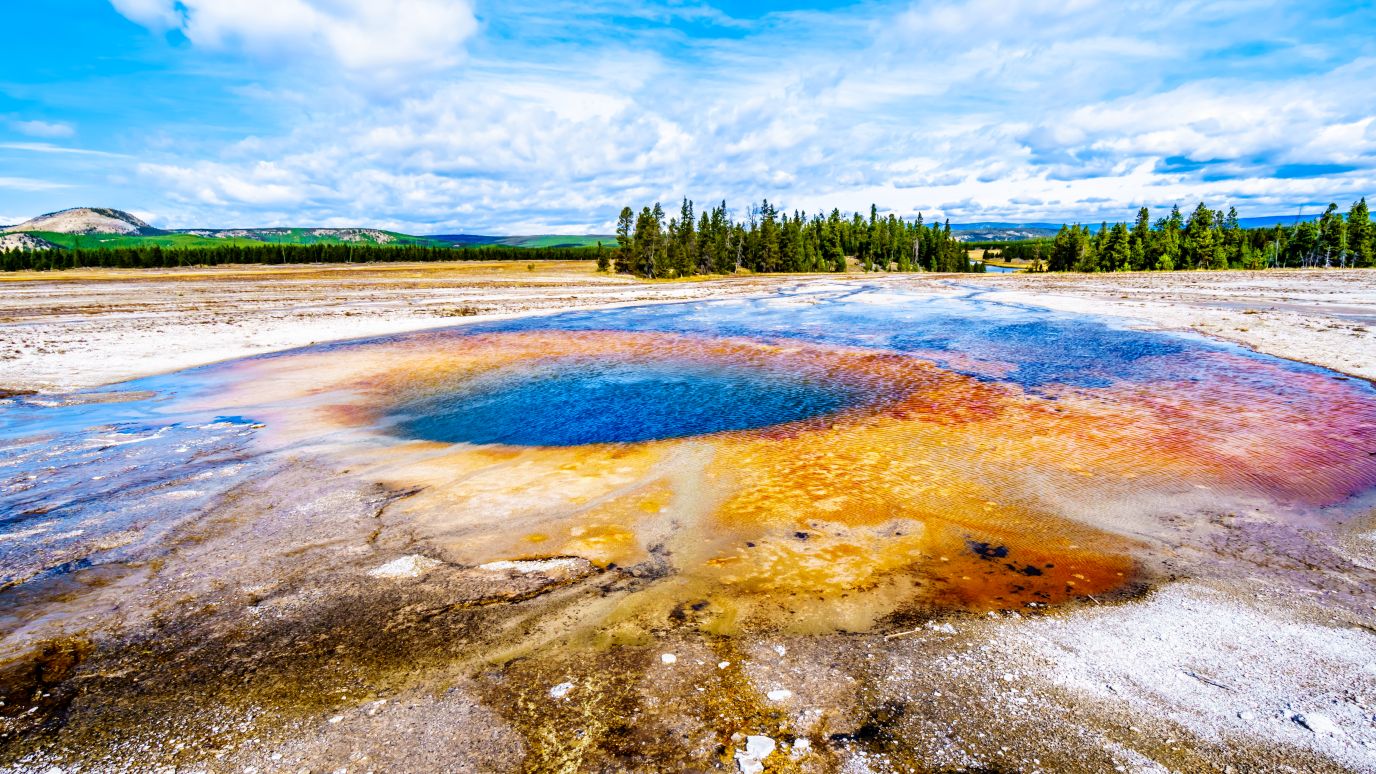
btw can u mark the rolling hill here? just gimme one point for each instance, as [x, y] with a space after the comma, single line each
[312, 236]
[87, 220]
[25, 241]
[1003, 232]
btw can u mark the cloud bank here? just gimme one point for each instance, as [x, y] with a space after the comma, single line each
[359, 36]
[435, 115]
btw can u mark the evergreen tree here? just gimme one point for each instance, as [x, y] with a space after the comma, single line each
[1062, 251]
[1141, 239]
[1117, 253]
[623, 240]
[1332, 237]
[1360, 235]
[1199, 243]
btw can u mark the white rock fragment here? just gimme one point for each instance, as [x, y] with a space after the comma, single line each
[409, 566]
[723, 664]
[781, 650]
[751, 759]
[1319, 724]
[565, 563]
[335, 719]
[561, 690]
[1009, 677]
[668, 658]
[800, 747]
[781, 694]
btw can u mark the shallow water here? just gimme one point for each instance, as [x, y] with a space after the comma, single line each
[819, 459]
[578, 401]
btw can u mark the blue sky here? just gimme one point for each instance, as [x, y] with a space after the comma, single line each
[435, 116]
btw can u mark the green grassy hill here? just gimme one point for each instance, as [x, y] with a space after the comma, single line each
[99, 241]
[314, 236]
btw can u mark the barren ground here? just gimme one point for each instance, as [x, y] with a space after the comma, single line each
[76, 329]
[214, 656]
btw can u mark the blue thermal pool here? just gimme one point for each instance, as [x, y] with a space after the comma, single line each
[573, 402]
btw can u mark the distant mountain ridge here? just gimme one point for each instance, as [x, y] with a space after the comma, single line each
[306, 236]
[999, 231]
[536, 240]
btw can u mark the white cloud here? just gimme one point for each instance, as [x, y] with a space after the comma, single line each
[47, 147]
[30, 184]
[979, 109]
[159, 14]
[47, 129]
[366, 38]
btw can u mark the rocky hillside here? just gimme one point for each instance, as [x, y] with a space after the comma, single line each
[20, 241]
[88, 220]
[370, 236]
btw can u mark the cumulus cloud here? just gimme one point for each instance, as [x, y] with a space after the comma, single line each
[45, 129]
[364, 37]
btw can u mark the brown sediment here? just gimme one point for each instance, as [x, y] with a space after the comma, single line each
[195, 682]
[36, 688]
[622, 706]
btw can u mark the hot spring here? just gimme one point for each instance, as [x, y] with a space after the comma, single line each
[821, 458]
[577, 401]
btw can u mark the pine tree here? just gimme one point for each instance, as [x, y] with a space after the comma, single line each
[1062, 251]
[1360, 235]
[624, 256]
[1332, 237]
[1117, 253]
[1199, 243]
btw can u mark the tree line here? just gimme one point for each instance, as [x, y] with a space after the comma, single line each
[157, 257]
[1208, 239]
[767, 240]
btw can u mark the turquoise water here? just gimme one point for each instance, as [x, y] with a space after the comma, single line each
[572, 402]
